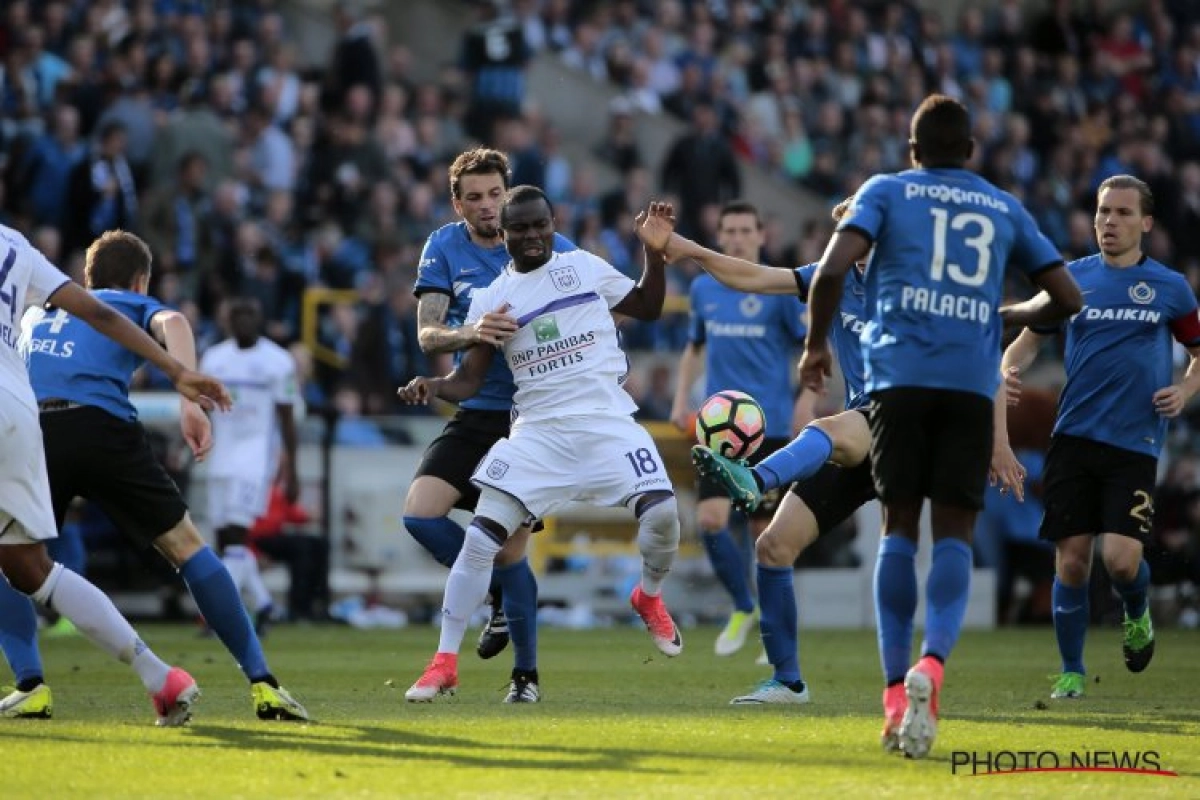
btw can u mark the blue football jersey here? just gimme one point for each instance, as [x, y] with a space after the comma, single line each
[1118, 351]
[750, 342]
[71, 360]
[942, 239]
[846, 331]
[454, 265]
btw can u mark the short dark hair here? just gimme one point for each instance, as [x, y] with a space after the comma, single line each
[741, 207]
[1145, 195]
[941, 131]
[524, 194]
[479, 161]
[115, 261]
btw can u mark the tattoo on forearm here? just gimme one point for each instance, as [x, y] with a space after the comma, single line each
[434, 334]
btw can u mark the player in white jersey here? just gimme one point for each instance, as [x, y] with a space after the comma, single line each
[26, 518]
[245, 459]
[573, 438]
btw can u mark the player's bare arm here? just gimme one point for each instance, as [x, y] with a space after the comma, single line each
[645, 302]
[846, 248]
[460, 384]
[745, 276]
[435, 336]
[1170, 401]
[691, 364]
[286, 416]
[1005, 470]
[173, 331]
[207, 391]
[1059, 299]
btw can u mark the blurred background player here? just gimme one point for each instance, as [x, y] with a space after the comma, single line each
[246, 456]
[574, 438]
[942, 238]
[26, 512]
[1102, 463]
[96, 448]
[459, 260]
[745, 342]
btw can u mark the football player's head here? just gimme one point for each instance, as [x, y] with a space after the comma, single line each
[740, 231]
[527, 221]
[117, 260]
[940, 134]
[478, 180]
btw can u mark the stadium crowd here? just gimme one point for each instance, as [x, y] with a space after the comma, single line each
[197, 125]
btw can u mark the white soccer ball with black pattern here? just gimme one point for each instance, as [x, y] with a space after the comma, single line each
[731, 424]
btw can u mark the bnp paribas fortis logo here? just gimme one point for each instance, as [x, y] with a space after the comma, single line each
[545, 329]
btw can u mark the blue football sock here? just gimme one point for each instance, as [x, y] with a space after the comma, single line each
[1070, 623]
[895, 604]
[777, 621]
[520, 594]
[441, 536]
[729, 567]
[1134, 594]
[218, 600]
[798, 459]
[18, 633]
[946, 591]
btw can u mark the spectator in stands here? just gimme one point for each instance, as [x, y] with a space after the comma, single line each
[700, 169]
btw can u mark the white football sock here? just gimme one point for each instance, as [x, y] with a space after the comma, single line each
[658, 541]
[98, 619]
[466, 587]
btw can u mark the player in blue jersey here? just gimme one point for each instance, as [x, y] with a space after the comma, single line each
[95, 448]
[1112, 419]
[939, 238]
[458, 260]
[745, 342]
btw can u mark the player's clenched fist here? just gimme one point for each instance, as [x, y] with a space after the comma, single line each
[496, 327]
[815, 365]
[419, 391]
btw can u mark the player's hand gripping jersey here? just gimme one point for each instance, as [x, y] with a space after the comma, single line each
[565, 357]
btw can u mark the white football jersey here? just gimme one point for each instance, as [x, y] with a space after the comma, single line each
[258, 379]
[27, 278]
[565, 357]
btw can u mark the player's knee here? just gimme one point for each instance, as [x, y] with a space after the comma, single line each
[180, 543]
[775, 550]
[26, 566]
[658, 521]
[1073, 568]
[1122, 566]
[481, 545]
[430, 498]
[712, 515]
[502, 512]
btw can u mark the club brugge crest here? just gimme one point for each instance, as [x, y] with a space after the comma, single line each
[1141, 293]
[750, 306]
[496, 469]
[566, 279]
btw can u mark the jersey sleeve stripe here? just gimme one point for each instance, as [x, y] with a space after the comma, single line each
[562, 302]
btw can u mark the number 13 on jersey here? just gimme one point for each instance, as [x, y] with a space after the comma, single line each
[977, 231]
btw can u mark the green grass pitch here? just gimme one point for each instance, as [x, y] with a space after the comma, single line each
[617, 720]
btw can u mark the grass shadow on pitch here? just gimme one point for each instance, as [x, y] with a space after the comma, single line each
[337, 740]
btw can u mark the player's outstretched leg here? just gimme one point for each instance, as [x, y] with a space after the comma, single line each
[658, 541]
[18, 639]
[465, 589]
[172, 691]
[778, 625]
[216, 595]
[735, 477]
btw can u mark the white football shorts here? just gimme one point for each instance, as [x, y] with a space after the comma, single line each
[599, 460]
[237, 500]
[26, 511]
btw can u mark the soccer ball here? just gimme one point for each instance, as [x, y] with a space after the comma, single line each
[731, 424]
